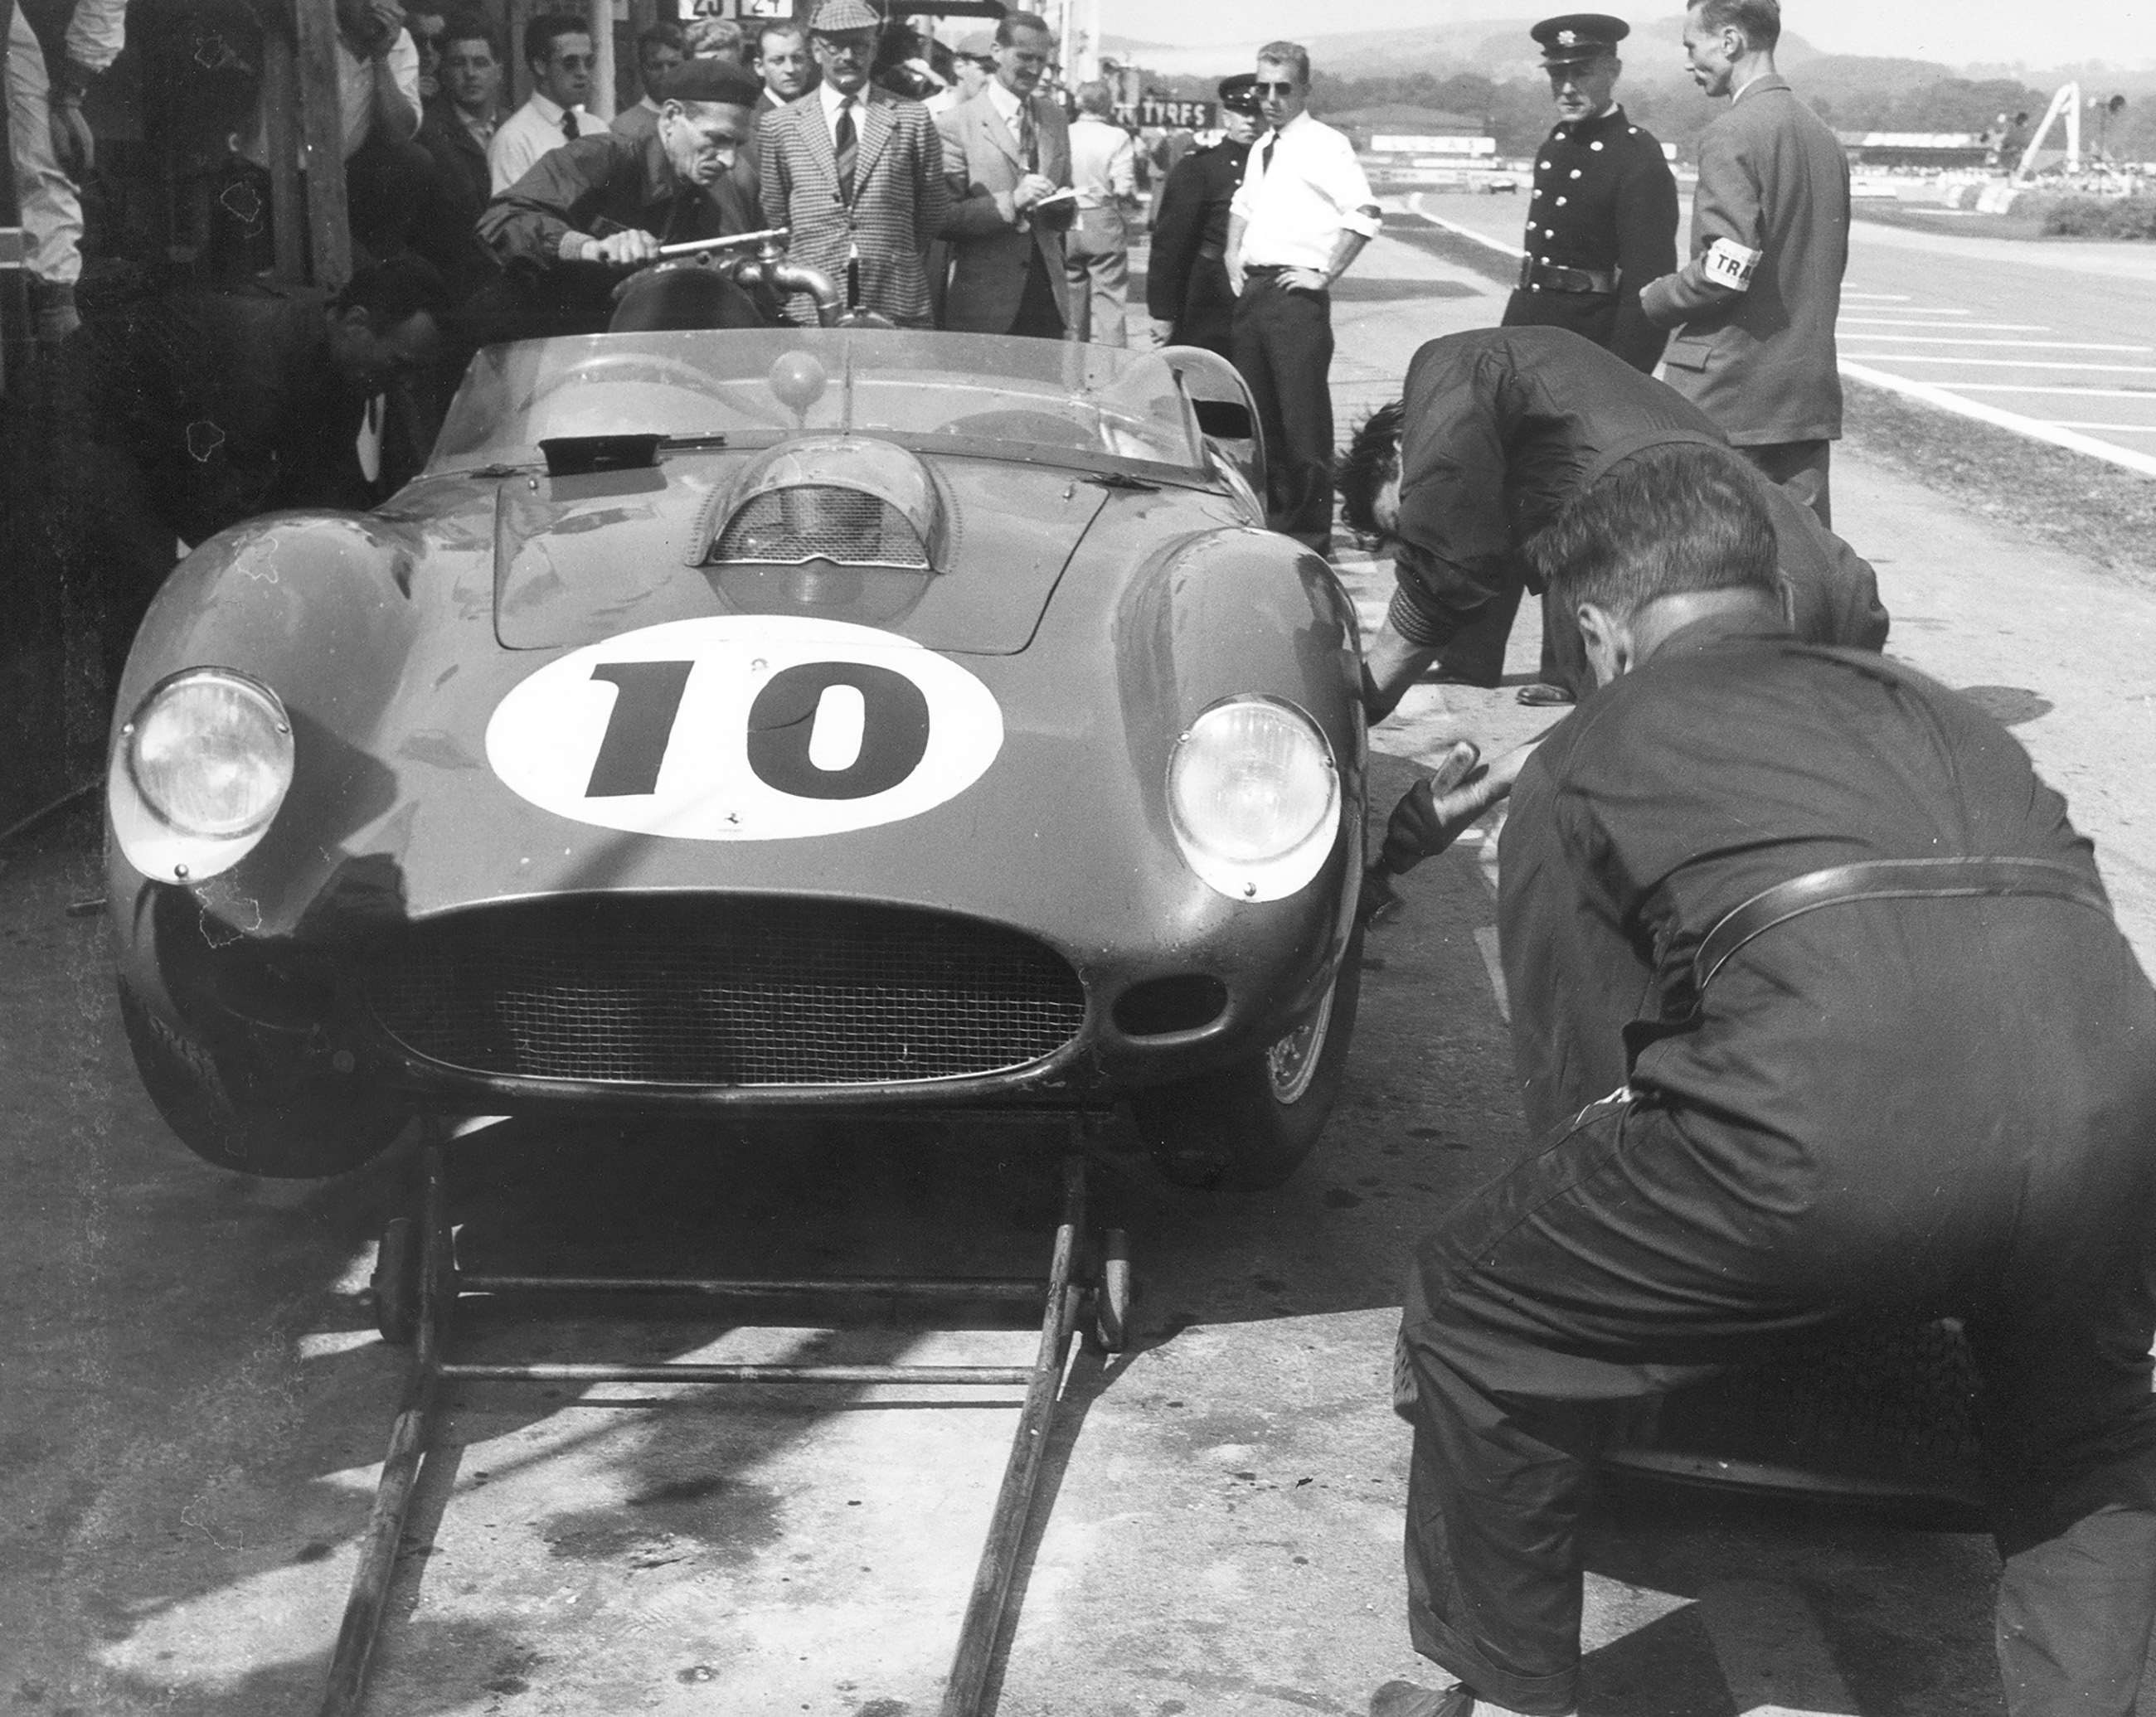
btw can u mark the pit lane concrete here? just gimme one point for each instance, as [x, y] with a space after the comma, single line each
[191, 1400]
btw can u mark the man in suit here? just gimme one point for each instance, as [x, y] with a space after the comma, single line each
[585, 212]
[1007, 153]
[1754, 309]
[1187, 292]
[857, 172]
[1602, 219]
[558, 49]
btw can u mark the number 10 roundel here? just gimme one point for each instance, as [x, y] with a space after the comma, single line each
[745, 728]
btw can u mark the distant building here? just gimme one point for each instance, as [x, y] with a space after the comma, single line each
[1397, 128]
[1941, 151]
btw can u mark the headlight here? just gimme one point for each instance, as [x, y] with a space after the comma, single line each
[199, 773]
[1254, 797]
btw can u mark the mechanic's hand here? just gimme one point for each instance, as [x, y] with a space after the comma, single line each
[74, 149]
[1306, 281]
[1163, 333]
[623, 249]
[1432, 813]
[388, 17]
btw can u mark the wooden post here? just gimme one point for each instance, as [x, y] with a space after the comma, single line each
[280, 134]
[600, 13]
[517, 14]
[322, 138]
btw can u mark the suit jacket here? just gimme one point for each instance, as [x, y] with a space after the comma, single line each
[898, 202]
[1774, 183]
[460, 156]
[989, 255]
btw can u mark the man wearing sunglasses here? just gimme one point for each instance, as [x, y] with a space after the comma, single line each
[1303, 215]
[558, 49]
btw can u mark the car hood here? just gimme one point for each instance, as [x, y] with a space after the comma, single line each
[581, 558]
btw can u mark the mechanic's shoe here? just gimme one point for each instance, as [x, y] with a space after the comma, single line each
[1543, 696]
[1404, 1699]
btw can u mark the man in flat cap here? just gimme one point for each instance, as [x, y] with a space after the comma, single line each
[973, 64]
[1754, 309]
[1602, 219]
[1187, 291]
[584, 212]
[857, 172]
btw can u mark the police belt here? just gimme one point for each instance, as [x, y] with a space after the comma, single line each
[1891, 880]
[1554, 277]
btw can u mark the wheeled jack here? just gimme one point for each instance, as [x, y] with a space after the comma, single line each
[417, 1285]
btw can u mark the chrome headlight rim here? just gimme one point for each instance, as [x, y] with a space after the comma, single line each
[1282, 872]
[158, 836]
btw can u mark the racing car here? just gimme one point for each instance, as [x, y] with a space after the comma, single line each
[751, 721]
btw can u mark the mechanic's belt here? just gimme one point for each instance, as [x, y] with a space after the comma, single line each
[1891, 880]
[1554, 277]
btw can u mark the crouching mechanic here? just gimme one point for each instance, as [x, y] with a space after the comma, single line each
[569, 230]
[1495, 430]
[1819, 1013]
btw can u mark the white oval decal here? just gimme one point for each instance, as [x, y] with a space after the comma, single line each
[745, 728]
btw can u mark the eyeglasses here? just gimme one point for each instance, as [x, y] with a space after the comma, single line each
[1274, 89]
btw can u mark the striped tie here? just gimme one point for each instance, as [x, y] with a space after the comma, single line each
[1028, 144]
[843, 147]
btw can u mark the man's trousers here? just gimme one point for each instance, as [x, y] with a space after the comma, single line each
[1644, 1250]
[1097, 260]
[1282, 341]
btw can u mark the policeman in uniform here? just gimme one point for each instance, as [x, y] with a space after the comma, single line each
[1187, 292]
[1603, 220]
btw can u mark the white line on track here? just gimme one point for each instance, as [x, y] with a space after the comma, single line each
[2035, 429]
[1904, 322]
[1918, 357]
[2008, 345]
[1879, 297]
[2080, 390]
[2111, 429]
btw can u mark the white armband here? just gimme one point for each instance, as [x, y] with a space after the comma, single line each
[1729, 263]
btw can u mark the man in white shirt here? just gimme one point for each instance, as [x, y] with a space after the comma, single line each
[1103, 172]
[558, 49]
[1302, 217]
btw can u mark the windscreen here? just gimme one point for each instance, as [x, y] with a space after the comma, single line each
[1038, 400]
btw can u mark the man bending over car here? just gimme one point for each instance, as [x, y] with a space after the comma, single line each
[1495, 431]
[567, 231]
[1820, 1014]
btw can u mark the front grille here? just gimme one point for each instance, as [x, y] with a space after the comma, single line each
[821, 522]
[704, 990]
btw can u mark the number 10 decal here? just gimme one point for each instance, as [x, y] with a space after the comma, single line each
[764, 727]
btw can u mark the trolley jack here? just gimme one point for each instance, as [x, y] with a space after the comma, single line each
[417, 1285]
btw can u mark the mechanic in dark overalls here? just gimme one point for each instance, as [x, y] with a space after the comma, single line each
[1819, 1014]
[1187, 291]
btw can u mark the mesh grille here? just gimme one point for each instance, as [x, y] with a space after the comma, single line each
[819, 521]
[694, 991]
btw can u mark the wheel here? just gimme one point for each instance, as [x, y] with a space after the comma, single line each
[1251, 1125]
[230, 1107]
[1111, 1330]
[395, 1283]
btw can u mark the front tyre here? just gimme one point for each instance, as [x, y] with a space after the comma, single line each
[1251, 1126]
[233, 1109]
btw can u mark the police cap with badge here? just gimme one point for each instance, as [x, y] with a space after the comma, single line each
[1578, 37]
[1239, 95]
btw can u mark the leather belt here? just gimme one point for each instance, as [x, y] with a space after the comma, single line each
[1555, 277]
[1891, 880]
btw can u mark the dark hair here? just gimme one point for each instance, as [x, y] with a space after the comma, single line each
[545, 30]
[471, 27]
[1761, 20]
[665, 34]
[1372, 456]
[1290, 53]
[1011, 22]
[1667, 520]
[394, 291]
